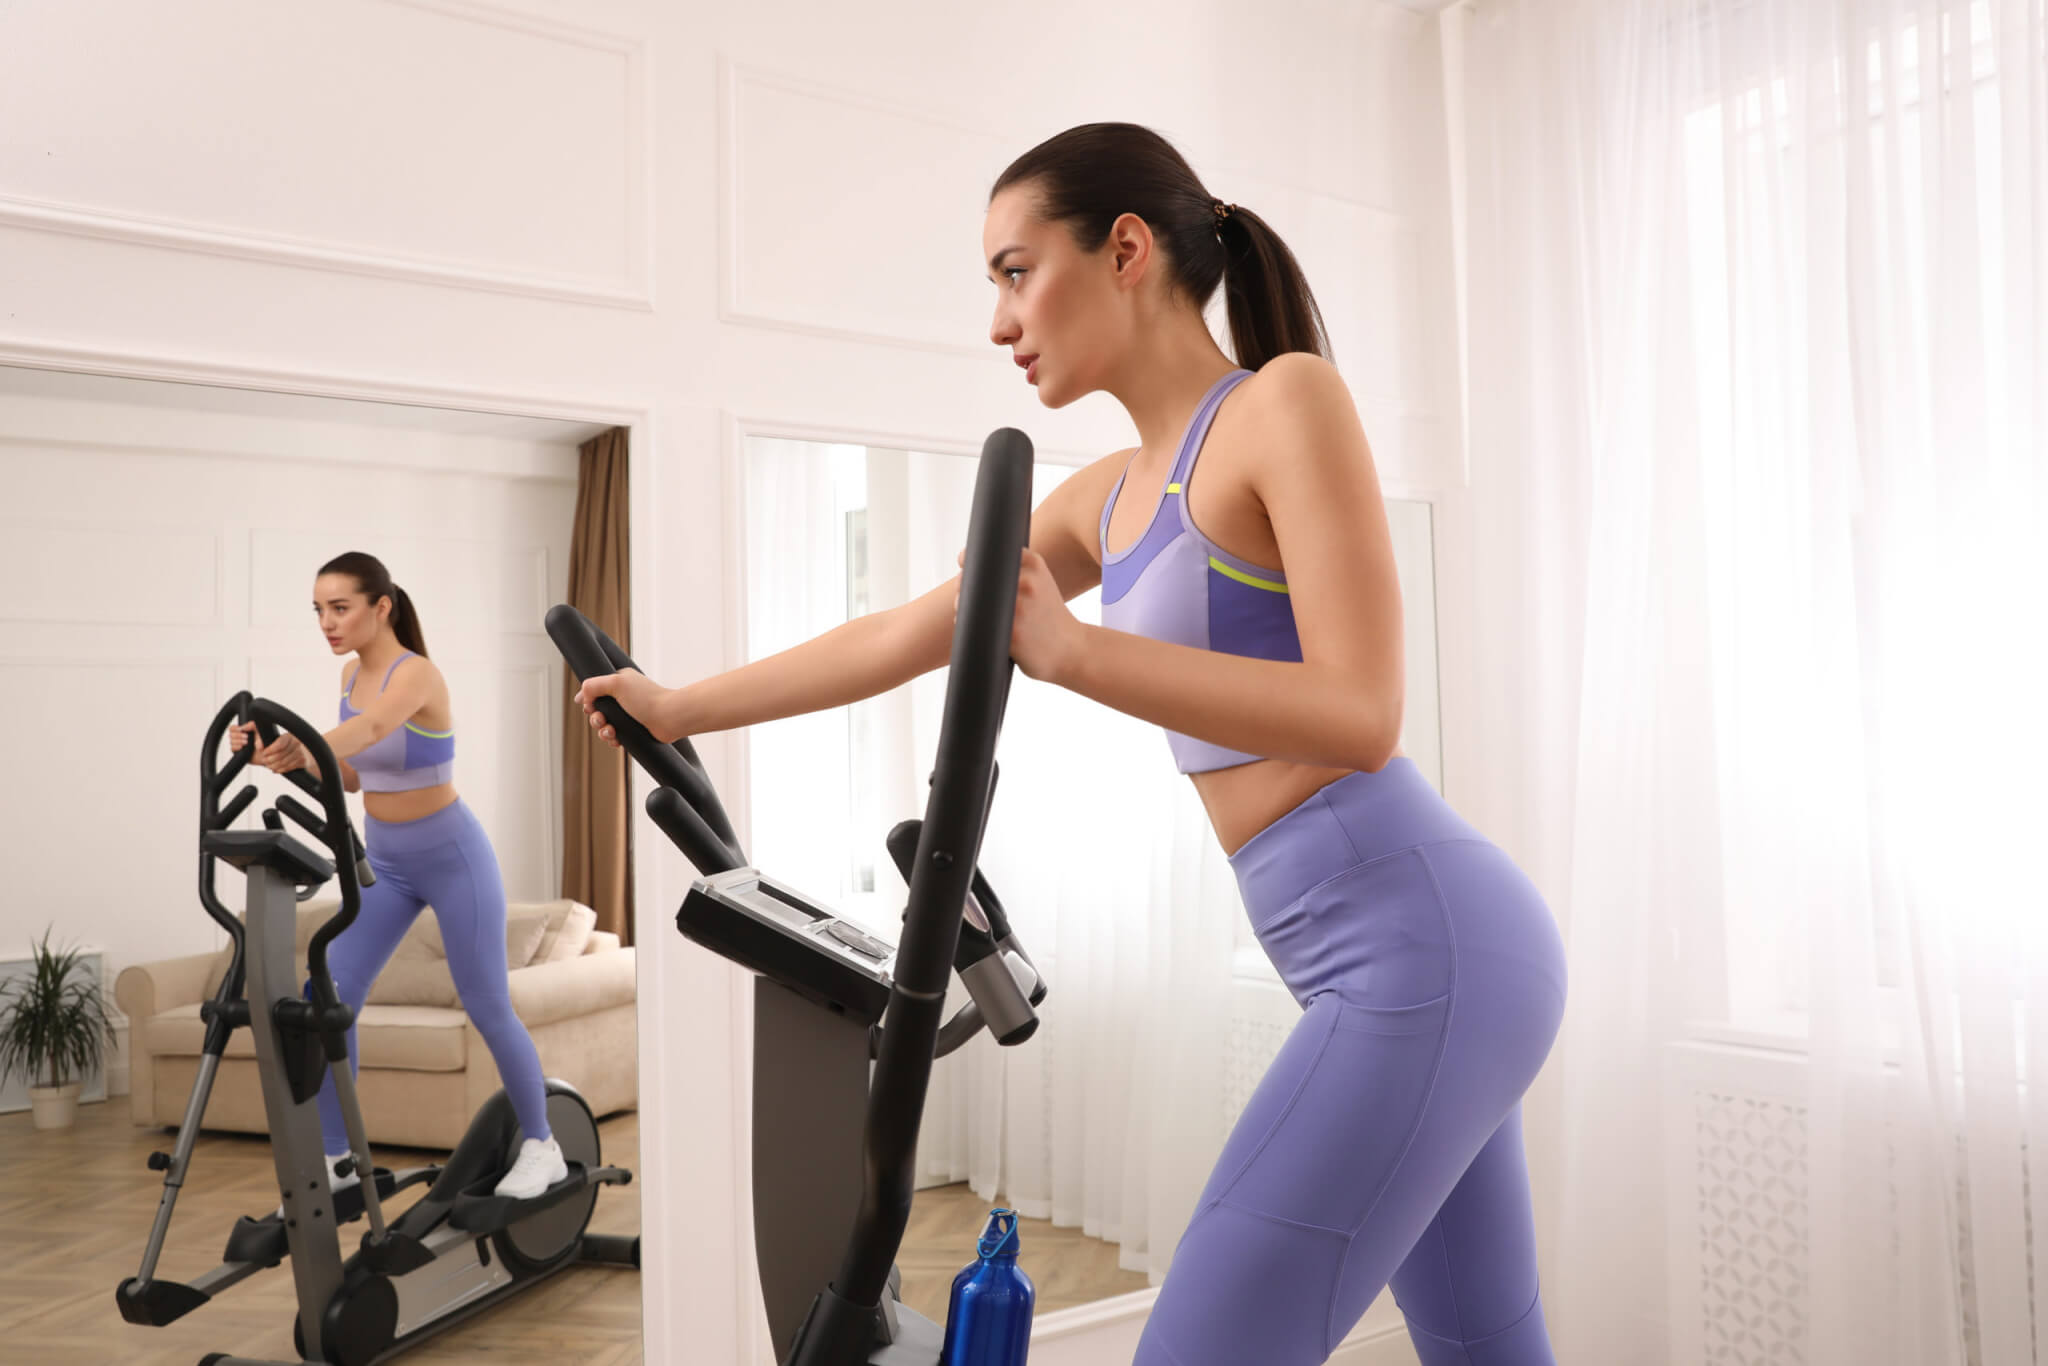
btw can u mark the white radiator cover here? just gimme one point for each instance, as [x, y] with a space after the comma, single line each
[1737, 1199]
[1737, 1183]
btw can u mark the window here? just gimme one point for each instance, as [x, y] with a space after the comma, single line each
[1818, 268]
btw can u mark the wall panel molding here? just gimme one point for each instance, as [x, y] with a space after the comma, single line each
[40, 539]
[736, 84]
[632, 289]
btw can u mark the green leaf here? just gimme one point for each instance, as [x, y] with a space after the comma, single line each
[53, 1024]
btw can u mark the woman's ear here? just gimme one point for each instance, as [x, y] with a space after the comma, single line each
[1130, 245]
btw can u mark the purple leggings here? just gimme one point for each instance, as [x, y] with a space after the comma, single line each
[444, 861]
[1384, 1145]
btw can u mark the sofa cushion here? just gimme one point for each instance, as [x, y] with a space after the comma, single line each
[418, 971]
[418, 974]
[405, 1038]
[567, 937]
[525, 924]
[415, 980]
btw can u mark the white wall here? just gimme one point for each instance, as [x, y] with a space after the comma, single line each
[701, 219]
[160, 559]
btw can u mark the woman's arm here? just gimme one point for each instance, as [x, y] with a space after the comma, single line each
[857, 660]
[411, 687]
[1340, 706]
[864, 657]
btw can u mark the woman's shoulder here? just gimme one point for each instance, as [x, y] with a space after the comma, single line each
[416, 671]
[1294, 378]
[1298, 404]
[415, 665]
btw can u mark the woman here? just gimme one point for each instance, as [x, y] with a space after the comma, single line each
[1384, 1144]
[396, 744]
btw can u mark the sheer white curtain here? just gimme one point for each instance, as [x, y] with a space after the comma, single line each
[1758, 293]
[798, 496]
[1109, 1117]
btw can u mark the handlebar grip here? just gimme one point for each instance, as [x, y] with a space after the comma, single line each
[688, 831]
[216, 781]
[364, 873]
[234, 809]
[213, 780]
[269, 717]
[314, 826]
[593, 654]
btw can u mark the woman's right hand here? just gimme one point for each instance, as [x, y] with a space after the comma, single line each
[281, 755]
[645, 700]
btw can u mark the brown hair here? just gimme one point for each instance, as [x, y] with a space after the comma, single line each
[375, 582]
[1090, 175]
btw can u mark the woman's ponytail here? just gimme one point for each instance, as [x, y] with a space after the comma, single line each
[405, 622]
[1271, 309]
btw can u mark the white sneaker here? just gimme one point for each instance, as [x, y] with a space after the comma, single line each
[335, 1180]
[539, 1165]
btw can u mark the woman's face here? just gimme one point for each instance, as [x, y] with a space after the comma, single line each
[1060, 310]
[346, 617]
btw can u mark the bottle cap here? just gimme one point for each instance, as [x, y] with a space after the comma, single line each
[1001, 1234]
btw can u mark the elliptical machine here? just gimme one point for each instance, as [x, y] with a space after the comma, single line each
[457, 1250]
[833, 1149]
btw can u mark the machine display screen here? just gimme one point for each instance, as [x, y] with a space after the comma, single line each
[772, 907]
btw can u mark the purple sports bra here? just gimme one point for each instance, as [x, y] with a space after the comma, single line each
[407, 759]
[1177, 585]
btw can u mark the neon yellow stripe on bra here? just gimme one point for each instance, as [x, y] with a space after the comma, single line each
[1229, 571]
[430, 734]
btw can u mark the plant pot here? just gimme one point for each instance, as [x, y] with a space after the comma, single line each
[55, 1106]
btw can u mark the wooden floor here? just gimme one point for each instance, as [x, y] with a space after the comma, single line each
[75, 1211]
[76, 1205]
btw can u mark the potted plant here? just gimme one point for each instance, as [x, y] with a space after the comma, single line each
[54, 1031]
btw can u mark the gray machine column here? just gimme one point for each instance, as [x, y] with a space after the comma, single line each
[810, 1110]
[295, 1142]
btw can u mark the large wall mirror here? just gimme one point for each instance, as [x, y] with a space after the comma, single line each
[1162, 1014]
[159, 542]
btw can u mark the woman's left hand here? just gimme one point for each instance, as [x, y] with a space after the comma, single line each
[1045, 637]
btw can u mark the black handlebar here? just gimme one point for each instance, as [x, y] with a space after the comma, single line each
[330, 825]
[266, 730]
[340, 841]
[214, 779]
[685, 805]
[942, 874]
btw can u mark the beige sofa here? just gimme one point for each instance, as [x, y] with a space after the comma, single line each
[424, 1068]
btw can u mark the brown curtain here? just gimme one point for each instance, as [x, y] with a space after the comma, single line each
[597, 807]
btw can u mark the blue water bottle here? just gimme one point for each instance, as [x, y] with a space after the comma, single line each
[988, 1320]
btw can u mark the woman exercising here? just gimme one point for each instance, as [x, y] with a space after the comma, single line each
[397, 747]
[1250, 608]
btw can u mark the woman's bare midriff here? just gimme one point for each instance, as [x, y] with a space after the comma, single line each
[1245, 799]
[396, 807]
